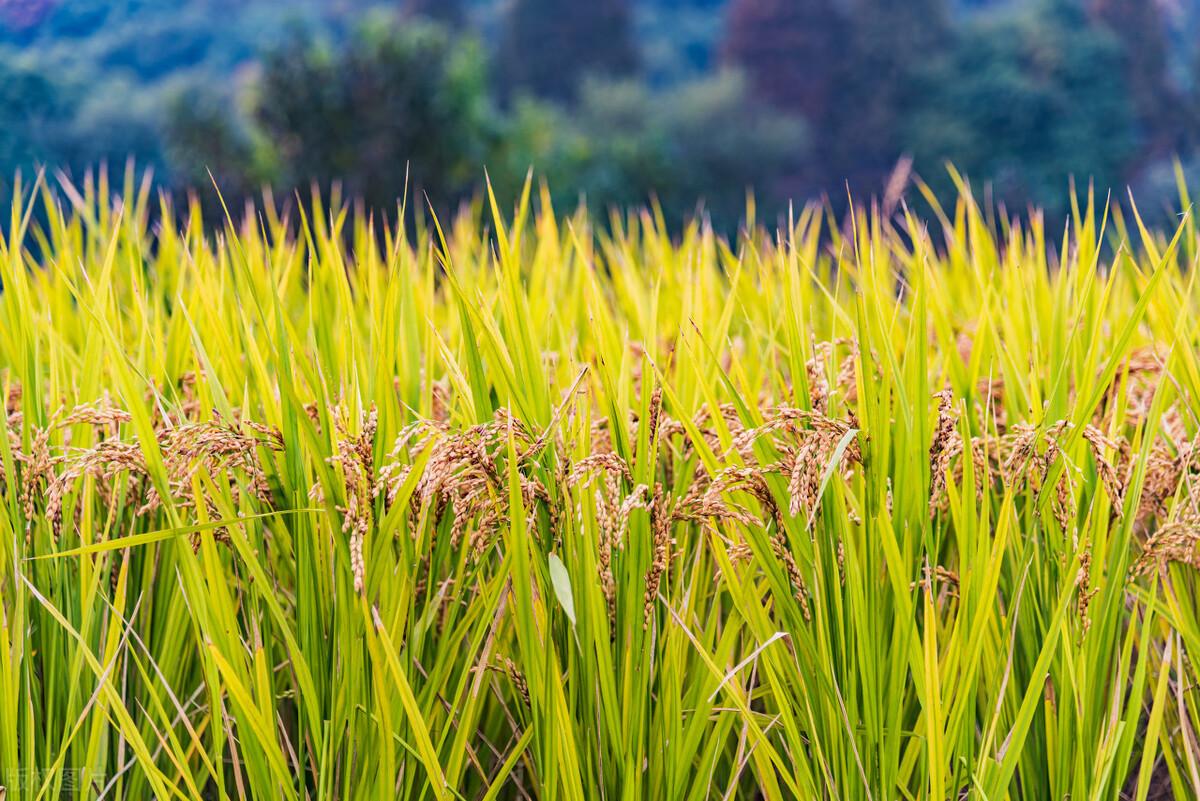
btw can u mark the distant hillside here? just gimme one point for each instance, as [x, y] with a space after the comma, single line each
[148, 41]
[95, 75]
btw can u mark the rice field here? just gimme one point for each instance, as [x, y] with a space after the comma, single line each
[310, 504]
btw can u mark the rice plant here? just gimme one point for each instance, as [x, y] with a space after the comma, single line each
[308, 504]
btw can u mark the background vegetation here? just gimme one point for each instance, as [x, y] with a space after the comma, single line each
[791, 97]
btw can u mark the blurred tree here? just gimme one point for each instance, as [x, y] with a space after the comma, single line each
[111, 123]
[549, 45]
[1139, 26]
[796, 56]
[678, 40]
[32, 110]
[889, 42]
[1025, 100]
[624, 145]
[20, 14]
[791, 50]
[158, 46]
[393, 98]
[204, 139]
[446, 12]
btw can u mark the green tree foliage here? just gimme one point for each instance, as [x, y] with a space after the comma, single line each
[1139, 26]
[847, 68]
[1010, 105]
[678, 40]
[795, 54]
[791, 50]
[206, 142]
[888, 42]
[446, 12]
[696, 148]
[112, 69]
[550, 45]
[396, 103]
[31, 108]
[65, 123]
